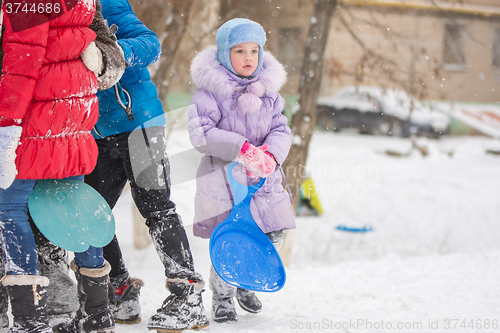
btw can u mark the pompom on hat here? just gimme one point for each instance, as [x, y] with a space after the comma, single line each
[237, 31]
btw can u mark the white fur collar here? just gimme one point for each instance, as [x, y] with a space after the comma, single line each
[207, 75]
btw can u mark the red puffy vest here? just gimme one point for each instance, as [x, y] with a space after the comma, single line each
[46, 88]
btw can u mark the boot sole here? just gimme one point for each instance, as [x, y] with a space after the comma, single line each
[195, 327]
[107, 330]
[242, 305]
[199, 327]
[128, 322]
[225, 320]
[249, 310]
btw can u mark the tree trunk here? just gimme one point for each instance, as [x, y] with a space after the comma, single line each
[304, 120]
[229, 9]
[170, 41]
[169, 20]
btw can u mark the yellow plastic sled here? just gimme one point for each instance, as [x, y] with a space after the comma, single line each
[309, 203]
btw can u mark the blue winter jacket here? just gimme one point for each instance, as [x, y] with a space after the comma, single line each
[141, 48]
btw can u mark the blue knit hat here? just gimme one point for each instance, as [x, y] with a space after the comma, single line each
[237, 31]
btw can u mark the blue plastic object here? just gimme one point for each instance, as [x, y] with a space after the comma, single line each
[241, 254]
[71, 214]
[365, 228]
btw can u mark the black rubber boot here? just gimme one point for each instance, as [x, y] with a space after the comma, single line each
[28, 300]
[127, 309]
[94, 314]
[54, 264]
[248, 301]
[4, 299]
[223, 309]
[222, 299]
[182, 310]
[172, 245]
[4, 303]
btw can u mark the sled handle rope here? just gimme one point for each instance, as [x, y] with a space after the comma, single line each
[287, 186]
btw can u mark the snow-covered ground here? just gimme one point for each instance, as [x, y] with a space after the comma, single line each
[432, 263]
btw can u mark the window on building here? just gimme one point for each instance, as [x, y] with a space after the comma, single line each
[496, 48]
[454, 48]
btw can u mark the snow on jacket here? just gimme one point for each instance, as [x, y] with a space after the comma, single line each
[225, 112]
[112, 55]
[46, 89]
[141, 48]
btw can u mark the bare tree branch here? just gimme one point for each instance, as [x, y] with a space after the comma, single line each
[171, 38]
[368, 52]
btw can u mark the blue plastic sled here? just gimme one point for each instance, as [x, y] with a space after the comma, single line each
[365, 228]
[241, 253]
[71, 214]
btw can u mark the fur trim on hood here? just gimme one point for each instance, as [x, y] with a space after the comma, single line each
[209, 75]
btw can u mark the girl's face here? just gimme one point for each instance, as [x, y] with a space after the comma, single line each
[245, 58]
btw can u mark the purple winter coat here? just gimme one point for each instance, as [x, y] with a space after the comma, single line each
[225, 112]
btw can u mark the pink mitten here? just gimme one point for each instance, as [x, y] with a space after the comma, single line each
[264, 149]
[257, 161]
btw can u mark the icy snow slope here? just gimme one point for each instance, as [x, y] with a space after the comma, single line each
[432, 263]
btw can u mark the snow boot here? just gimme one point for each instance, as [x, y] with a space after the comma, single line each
[4, 304]
[248, 301]
[182, 309]
[28, 300]
[222, 299]
[223, 309]
[127, 309]
[54, 264]
[94, 314]
[4, 300]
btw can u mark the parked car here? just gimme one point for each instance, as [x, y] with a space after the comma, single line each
[375, 110]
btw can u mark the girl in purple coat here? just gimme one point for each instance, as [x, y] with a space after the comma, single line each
[236, 115]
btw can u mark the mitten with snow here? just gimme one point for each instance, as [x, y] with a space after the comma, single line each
[92, 58]
[112, 57]
[9, 140]
[257, 161]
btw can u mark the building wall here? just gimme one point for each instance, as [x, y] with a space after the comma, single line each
[407, 48]
[408, 52]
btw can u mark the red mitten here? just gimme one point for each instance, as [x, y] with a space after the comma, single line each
[257, 161]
